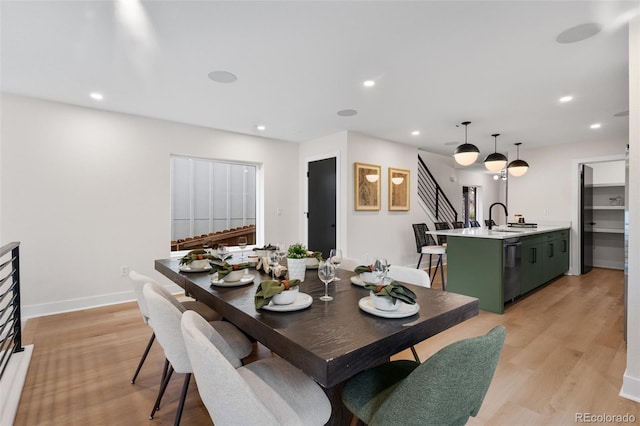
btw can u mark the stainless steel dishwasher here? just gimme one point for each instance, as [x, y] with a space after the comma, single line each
[511, 262]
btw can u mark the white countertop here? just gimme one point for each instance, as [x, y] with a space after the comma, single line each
[501, 232]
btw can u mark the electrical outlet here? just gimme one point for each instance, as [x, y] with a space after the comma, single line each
[124, 271]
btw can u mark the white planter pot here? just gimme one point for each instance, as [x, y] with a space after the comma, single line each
[297, 268]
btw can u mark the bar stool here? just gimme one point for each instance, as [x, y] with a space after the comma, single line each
[425, 244]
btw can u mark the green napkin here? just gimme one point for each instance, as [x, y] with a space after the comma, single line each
[197, 254]
[394, 290]
[269, 288]
[363, 268]
[223, 268]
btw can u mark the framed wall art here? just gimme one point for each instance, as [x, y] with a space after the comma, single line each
[399, 186]
[367, 186]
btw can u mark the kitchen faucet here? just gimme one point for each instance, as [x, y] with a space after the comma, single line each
[491, 207]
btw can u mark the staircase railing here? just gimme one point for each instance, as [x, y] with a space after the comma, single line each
[432, 195]
[10, 326]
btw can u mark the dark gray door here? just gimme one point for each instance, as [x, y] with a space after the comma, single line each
[321, 216]
[586, 227]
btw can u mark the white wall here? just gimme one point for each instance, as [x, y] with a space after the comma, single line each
[608, 172]
[382, 233]
[631, 379]
[87, 191]
[543, 194]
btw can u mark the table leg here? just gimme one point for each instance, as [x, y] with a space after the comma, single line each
[340, 415]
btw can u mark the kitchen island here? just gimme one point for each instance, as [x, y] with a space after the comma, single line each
[500, 264]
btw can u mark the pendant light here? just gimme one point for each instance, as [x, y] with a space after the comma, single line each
[466, 153]
[518, 167]
[495, 161]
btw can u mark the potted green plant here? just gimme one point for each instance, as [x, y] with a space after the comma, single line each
[297, 261]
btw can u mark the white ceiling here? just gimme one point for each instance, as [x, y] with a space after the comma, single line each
[298, 63]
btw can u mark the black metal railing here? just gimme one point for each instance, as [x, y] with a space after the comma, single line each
[10, 327]
[432, 195]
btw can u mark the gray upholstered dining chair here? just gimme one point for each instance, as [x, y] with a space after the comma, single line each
[269, 391]
[165, 317]
[426, 244]
[446, 389]
[138, 281]
[411, 276]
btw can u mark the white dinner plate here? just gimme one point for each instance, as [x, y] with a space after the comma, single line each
[405, 310]
[355, 279]
[303, 301]
[246, 279]
[186, 268]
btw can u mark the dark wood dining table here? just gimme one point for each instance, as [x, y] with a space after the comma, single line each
[330, 341]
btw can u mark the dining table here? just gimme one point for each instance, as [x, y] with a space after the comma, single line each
[330, 341]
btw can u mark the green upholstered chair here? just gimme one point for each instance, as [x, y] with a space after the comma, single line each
[446, 389]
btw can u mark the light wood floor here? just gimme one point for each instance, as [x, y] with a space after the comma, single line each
[564, 354]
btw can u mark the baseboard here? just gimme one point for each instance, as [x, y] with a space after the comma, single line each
[630, 387]
[33, 311]
[12, 384]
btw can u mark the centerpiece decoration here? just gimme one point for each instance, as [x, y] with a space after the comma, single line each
[389, 297]
[297, 261]
[281, 292]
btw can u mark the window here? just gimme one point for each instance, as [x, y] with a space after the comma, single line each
[211, 202]
[469, 204]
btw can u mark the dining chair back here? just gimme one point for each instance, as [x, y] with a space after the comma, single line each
[474, 224]
[138, 281]
[409, 275]
[457, 225]
[489, 222]
[269, 391]
[349, 264]
[440, 226]
[165, 316]
[447, 388]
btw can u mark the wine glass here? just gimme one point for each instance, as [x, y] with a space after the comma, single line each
[221, 251]
[326, 273]
[242, 243]
[335, 256]
[281, 250]
[274, 261]
[380, 268]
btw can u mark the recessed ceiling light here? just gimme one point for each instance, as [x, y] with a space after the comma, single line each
[595, 126]
[261, 127]
[578, 33]
[566, 99]
[96, 96]
[621, 114]
[222, 76]
[369, 83]
[347, 112]
[416, 133]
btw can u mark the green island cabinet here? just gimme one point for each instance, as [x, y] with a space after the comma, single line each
[475, 265]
